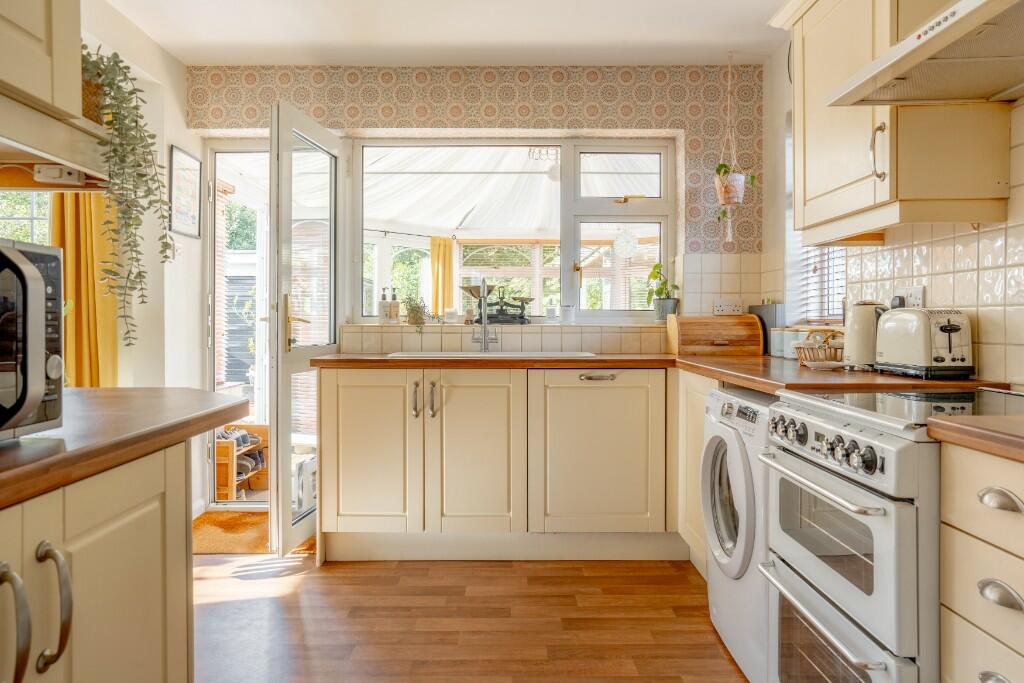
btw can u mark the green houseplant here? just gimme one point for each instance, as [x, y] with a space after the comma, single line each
[136, 184]
[659, 292]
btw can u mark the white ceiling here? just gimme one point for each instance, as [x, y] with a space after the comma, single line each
[458, 32]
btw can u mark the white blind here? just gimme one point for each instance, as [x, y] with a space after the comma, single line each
[823, 283]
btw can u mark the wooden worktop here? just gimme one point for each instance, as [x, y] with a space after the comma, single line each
[601, 360]
[1001, 435]
[104, 428]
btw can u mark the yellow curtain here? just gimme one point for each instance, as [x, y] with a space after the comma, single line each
[90, 328]
[442, 264]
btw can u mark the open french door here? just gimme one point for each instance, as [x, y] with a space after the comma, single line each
[306, 192]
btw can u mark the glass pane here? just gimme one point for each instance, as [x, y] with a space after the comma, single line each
[618, 174]
[370, 279]
[845, 544]
[410, 273]
[616, 258]
[804, 655]
[312, 284]
[723, 508]
[303, 443]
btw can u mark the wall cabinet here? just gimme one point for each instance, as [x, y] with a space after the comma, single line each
[597, 450]
[123, 538]
[863, 168]
[40, 55]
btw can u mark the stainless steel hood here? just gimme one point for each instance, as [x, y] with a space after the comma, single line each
[971, 52]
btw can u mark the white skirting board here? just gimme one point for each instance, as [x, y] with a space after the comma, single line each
[547, 546]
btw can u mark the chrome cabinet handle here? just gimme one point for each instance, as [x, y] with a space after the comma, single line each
[992, 677]
[1000, 593]
[819, 491]
[766, 569]
[432, 409]
[998, 498]
[22, 621]
[597, 378]
[880, 128]
[415, 400]
[47, 658]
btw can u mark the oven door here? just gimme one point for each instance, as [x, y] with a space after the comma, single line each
[857, 547]
[22, 339]
[810, 640]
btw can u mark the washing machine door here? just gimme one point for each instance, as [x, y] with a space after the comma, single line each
[727, 496]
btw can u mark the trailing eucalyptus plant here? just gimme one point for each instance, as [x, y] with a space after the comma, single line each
[135, 187]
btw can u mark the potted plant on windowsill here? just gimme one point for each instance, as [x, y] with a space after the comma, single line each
[659, 292]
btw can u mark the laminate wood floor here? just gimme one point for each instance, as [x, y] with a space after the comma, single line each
[263, 619]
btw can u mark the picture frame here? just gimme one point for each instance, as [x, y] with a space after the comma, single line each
[184, 192]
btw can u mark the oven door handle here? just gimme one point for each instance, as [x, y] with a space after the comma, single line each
[766, 569]
[819, 491]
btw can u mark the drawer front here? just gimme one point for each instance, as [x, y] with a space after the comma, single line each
[966, 562]
[969, 476]
[968, 652]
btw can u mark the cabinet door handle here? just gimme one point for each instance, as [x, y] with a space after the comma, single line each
[47, 658]
[998, 498]
[22, 621]
[880, 128]
[992, 677]
[597, 378]
[1000, 593]
[432, 409]
[415, 400]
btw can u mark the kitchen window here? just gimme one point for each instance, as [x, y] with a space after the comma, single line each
[25, 216]
[549, 222]
[824, 283]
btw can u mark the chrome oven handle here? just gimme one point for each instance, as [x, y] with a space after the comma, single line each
[22, 621]
[998, 498]
[803, 482]
[766, 569]
[1001, 593]
[47, 658]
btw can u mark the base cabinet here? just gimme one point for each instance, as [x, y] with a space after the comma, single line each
[597, 450]
[123, 538]
[693, 391]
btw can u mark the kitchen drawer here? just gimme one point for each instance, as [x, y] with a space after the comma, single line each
[964, 562]
[965, 473]
[967, 652]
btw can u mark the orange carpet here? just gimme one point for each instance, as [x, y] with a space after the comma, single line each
[236, 533]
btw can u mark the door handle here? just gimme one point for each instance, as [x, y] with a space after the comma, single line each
[415, 400]
[297, 319]
[432, 409]
[992, 677]
[1001, 593]
[880, 128]
[47, 658]
[578, 268]
[998, 498]
[22, 621]
[597, 378]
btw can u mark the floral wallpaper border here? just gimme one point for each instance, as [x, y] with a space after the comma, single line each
[691, 99]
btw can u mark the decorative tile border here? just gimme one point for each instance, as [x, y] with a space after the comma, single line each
[691, 99]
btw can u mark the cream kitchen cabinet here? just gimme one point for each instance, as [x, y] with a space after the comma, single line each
[475, 450]
[859, 169]
[596, 450]
[693, 391]
[118, 547]
[40, 55]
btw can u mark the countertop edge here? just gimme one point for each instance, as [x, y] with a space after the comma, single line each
[966, 431]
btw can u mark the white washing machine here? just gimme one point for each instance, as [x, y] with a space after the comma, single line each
[734, 490]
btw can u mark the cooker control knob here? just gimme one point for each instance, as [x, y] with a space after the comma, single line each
[837, 448]
[868, 461]
[791, 431]
[727, 409]
[780, 426]
[851, 455]
[54, 367]
[801, 434]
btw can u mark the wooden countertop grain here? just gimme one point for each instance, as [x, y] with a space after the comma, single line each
[104, 428]
[1001, 435]
[601, 360]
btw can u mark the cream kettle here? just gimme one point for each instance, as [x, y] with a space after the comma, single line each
[861, 329]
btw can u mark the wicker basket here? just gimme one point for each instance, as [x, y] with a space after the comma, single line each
[821, 350]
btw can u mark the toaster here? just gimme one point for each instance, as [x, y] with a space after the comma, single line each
[930, 343]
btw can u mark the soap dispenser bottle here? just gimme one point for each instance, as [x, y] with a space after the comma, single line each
[394, 313]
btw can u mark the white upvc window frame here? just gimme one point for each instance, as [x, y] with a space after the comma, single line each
[574, 210]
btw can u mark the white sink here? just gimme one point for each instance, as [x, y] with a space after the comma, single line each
[491, 354]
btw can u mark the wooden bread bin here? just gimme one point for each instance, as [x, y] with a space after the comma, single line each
[715, 335]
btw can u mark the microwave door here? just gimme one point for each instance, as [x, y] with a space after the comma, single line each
[22, 337]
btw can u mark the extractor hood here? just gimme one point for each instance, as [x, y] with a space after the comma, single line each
[971, 52]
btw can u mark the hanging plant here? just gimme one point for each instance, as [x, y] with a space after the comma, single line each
[135, 187]
[730, 183]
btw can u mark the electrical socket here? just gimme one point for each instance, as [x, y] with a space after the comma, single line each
[914, 296]
[727, 305]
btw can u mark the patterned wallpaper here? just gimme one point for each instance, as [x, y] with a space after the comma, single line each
[690, 99]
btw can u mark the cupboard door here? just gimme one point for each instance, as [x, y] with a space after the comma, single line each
[40, 54]
[597, 450]
[834, 175]
[694, 391]
[373, 474]
[10, 554]
[475, 450]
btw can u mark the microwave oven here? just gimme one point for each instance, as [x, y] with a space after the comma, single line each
[31, 338]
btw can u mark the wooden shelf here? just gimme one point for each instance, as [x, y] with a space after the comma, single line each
[227, 454]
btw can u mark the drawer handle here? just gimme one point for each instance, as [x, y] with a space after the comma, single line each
[992, 677]
[597, 378]
[22, 621]
[998, 498]
[415, 400]
[880, 128]
[1001, 594]
[47, 658]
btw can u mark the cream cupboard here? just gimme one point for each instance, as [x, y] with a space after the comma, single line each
[692, 392]
[116, 545]
[982, 567]
[861, 169]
